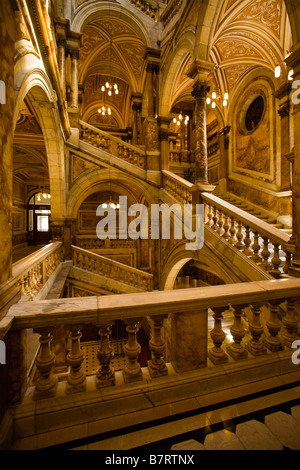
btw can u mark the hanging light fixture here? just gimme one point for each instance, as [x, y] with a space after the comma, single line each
[110, 86]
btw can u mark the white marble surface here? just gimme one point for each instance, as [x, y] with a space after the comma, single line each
[286, 428]
[256, 436]
[223, 440]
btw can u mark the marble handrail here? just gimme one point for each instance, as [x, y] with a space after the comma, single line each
[107, 267]
[191, 309]
[31, 273]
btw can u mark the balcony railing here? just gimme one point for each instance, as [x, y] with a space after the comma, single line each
[244, 301]
[266, 245]
[108, 143]
[112, 269]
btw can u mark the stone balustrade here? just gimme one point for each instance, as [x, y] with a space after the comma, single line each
[276, 297]
[266, 245]
[147, 6]
[178, 187]
[108, 143]
[112, 269]
[31, 274]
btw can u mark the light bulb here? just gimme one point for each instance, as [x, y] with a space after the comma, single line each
[208, 100]
[44, 195]
[180, 117]
[103, 88]
[103, 113]
[109, 93]
[224, 103]
[187, 118]
[104, 206]
[214, 95]
[38, 197]
[174, 120]
[107, 85]
[99, 110]
[226, 96]
[115, 86]
[117, 91]
[277, 71]
[178, 123]
[109, 111]
[213, 105]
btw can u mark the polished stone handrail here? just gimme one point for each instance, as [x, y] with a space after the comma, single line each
[113, 145]
[31, 273]
[112, 269]
[266, 245]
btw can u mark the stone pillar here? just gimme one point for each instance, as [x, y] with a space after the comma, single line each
[189, 340]
[74, 78]
[200, 71]
[284, 112]
[201, 167]
[223, 145]
[61, 58]
[164, 123]
[136, 120]
[7, 34]
[293, 61]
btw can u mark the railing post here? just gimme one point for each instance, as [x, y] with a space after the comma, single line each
[256, 248]
[290, 323]
[272, 342]
[76, 381]
[46, 381]
[132, 371]
[157, 366]
[217, 354]
[276, 262]
[105, 376]
[237, 349]
[255, 345]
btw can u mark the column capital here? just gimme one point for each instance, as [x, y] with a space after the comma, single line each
[200, 90]
[200, 70]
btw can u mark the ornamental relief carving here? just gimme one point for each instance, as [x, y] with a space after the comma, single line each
[232, 48]
[266, 12]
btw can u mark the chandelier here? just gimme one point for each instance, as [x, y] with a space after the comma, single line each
[180, 118]
[110, 86]
[103, 110]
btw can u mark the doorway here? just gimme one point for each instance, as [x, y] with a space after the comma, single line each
[38, 218]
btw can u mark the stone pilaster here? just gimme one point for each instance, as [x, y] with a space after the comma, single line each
[223, 146]
[164, 123]
[293, 61]
[7, 35]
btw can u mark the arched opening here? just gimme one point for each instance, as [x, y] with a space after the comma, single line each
[38, 218]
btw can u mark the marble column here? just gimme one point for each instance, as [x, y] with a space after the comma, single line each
[293, 61]
[61, 58]
[7, 33]
[136, 120]
[164, 123]
[74, 78]
[223, 146]
[199, 92]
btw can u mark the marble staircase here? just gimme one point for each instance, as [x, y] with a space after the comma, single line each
[257, 211]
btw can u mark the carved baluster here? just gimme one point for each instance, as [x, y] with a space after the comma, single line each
[288, 261]
[237, 349]
[265, 255]
[226, 227]
[132, 371]
[217, 354]
[276, 262]
[220, 223]
[273, 342]
[247, 241]
[255, 345]
[157, 366]
[232, 231]
[209, 215]
[105, 376]
[255, 248]
[215, 218]
[46, 381]
[76, 381]
[290, 323]
[239, 235]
